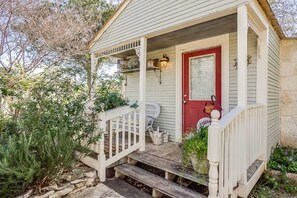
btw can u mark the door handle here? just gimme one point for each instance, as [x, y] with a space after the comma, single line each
[185, 101]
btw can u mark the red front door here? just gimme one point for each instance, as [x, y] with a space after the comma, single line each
[201, 79]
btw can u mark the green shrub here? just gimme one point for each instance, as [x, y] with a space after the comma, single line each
[108, 95]
[195, 144]
[284, 159]
[50, 126]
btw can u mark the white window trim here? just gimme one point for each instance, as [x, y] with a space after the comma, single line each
[223, 41]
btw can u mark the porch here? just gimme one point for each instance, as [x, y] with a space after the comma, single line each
[236, 142]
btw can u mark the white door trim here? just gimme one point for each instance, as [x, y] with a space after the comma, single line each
[223, 41]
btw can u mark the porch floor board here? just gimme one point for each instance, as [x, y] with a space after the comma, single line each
[168, 157]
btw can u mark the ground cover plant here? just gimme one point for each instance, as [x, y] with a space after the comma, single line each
[274, 183]
[284, 159]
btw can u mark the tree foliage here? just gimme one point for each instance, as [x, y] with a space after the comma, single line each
[285, 12]
[44, 67]
[37, 35]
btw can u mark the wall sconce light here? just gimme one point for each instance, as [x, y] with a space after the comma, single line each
[164, 61]
[249, 61]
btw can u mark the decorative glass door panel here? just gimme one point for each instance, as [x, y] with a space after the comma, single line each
[201, 80]
[202, 77]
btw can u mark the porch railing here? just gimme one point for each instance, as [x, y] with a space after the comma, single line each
[119, 129]
[234, 143]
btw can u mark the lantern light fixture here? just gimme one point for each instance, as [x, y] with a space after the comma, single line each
[164, 61]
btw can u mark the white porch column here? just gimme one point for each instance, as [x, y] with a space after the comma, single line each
[262, 87]
[242, 31]
[93, 73]
[242, 45]
[142, 82]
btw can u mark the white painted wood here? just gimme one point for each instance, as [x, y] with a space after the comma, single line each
[122, 154]
[135, 20]
[262, 88]
[109, 22]
[242, 30]
[223, 41]
[244, 190]
[123, 132]
[213, 154]
[234, 144]
[117, 135]
[117, 123]
[93, 73]
[129, 130]
[101, 154]
[91, 162]
[142, 90]
[134, 131]
[273, 90]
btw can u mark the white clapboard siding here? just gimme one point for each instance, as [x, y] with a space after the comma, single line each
[142, 17]
[163, 94]
[252, 70]
[273, 114]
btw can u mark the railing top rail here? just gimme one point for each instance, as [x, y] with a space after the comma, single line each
[227, 119]
[116, 112]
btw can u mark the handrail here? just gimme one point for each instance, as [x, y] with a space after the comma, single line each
[118, 111]
[227, 119]
[234, 143]
[119, 129]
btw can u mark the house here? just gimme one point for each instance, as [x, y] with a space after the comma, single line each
[226, 48]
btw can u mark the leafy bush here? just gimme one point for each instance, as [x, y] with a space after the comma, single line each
[50, 126]
[284, 159]
[195, 144]
[108, 95]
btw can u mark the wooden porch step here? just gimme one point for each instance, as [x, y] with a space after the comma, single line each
[158, 184]
[170, 167]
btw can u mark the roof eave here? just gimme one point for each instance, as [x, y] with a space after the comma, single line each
[270, 15]
[117, 12]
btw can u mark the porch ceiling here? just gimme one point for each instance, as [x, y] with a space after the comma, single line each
[223, 25]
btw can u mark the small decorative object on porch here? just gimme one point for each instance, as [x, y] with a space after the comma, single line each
[122, 64]
[165, 137]
[157, 137]
[203, 123]
[151, 63]
[133, 63]
[249, 61]
[211, 105]
[164, 61]
[195, 150]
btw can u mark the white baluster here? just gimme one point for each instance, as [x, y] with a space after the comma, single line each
[110, 137]
[213, 154]
[117, 136]
[123, 132]
[101, 155]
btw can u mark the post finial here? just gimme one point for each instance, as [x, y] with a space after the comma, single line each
[215, 114]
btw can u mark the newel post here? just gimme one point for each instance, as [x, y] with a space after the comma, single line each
[213, 154]
[101, 155]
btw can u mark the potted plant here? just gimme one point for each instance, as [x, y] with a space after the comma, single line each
[195, 150]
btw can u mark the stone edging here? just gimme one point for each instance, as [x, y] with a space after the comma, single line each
[78, 179]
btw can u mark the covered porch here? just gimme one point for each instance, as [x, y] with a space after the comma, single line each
[236, 142]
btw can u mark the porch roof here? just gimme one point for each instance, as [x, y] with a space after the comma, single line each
[138, 18]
